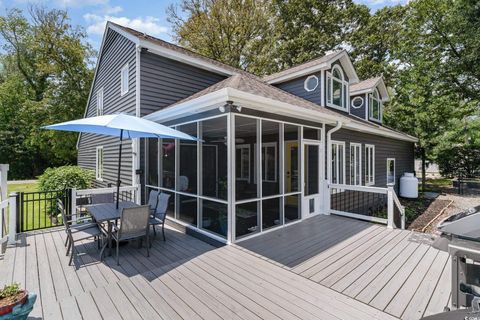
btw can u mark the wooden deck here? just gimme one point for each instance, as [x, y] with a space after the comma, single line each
[395, 271]
[184, 278]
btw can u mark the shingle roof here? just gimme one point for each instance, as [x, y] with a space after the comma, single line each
[302, 66]
[181, 50]
[365, 84]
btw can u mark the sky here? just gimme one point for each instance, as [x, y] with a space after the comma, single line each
[147, 16]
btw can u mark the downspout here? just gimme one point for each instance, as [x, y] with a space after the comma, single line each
[326, 189]
[136, 156]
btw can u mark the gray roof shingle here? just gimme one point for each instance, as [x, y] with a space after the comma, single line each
[365, 84]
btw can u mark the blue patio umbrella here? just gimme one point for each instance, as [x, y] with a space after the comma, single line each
[122, 126]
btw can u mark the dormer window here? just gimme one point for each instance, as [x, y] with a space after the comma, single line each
[375, 106]
[337, 89]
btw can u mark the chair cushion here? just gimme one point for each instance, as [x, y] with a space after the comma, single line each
[82, 226]
[86, 233]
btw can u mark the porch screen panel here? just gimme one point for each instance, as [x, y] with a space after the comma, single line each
[245, 160]
[214, 158]
[270, 158]
[167, 163]
[152, 161]
[187, 179]
[246, 219]
[292, 208]
[271, 213]
[187, 209]
[291, 154]
[214, 217]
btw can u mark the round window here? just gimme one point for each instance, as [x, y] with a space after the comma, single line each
[357, 102]
[311, 83]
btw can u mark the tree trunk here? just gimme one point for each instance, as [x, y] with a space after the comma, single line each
[424, 169]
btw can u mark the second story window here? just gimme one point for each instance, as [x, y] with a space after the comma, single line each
[337, 89]
[375, 106]
[100, 102]
[124, 80]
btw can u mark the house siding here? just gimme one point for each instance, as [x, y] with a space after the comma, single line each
[117, 51]
[359, 112]
[296, 87]
[402, 151]
[165, 81]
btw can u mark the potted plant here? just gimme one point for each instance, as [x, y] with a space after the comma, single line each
[11, 296]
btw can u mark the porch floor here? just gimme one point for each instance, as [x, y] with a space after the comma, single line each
[395, 271]
[184, 278]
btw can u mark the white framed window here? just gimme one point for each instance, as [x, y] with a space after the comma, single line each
[100, 102]
[311, 83]
[357, 102]
[391, 171]
[124, 80]
[369, 165]
[243, 157]
[375, 106]
[337, 89]
[269, 162]
[356, 164]
[99, 164]
[337, 175]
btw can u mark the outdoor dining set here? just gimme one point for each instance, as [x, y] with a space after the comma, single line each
[111, 224]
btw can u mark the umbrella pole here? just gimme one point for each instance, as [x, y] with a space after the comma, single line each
[119, 165]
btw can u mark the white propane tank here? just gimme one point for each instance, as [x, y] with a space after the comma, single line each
[409, 186]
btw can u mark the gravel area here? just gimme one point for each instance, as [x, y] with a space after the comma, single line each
[460, 203]
[430, 213]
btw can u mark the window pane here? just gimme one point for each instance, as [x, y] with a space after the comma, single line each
[168, 163]
[270, 159]
[187, 209]
[214, 217]
[291, 158]
[329, 91]
[214, 153]
[390, 171]
[337, 93]
[271, 213]
[152, 164]
[292, 208]
[311, 134]
[246, 219]
[245, 142]
[187, 180]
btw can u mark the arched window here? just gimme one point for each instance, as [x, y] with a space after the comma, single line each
[375, 106]
[337, 89]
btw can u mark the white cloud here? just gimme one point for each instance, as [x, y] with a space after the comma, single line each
[112, 10]
[148, 24]
[81, 3]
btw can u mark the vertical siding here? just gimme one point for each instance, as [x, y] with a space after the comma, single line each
[165, 81]
[117, 51]
[296, 87]
[402, 151]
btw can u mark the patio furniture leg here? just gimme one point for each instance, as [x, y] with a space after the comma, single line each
[154, 231]
[148, 245]
[71, 257]
[118, 261]
[68, 248]
[163, 231]
[66, 241]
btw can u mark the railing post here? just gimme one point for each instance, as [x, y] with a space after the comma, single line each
[3, 181]
[326, 197]
[73, 205]
[137, 198]
[12, 229]
[390, 209]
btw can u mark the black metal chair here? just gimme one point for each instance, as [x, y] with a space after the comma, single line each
[159, 214]
[133, 225]
[76, 233]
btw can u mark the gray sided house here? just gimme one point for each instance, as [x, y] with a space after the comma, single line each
[274, 150]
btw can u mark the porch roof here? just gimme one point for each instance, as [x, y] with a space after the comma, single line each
[253, 93]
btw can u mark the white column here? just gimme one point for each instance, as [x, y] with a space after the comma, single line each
[3, 181]
[390, 207]
[12, 229]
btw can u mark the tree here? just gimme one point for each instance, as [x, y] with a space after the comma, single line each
[236, 32]
[48, 61]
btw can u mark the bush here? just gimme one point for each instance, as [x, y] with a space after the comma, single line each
[65, 177]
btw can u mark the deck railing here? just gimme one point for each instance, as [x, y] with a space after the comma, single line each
[4, 205]
[380, 205]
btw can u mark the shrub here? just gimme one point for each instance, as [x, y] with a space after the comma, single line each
[65, 177]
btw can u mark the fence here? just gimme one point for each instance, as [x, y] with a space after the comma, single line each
[374, 204]
[37, 210]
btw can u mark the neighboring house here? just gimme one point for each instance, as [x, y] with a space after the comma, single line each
[270, 145]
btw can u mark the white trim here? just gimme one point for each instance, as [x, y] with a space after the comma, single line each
[356, 98]
[98, 169]
[123, 90]
[266, 145]
[356, 164]
[380, 106]
[241, 147]
[343, 172]
[394, 172]
[367, 161]
[306, 81]
[209, 234]
[359, 216]
[344, 95]
[358, 188]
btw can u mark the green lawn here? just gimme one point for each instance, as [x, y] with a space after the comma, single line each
[36, 208]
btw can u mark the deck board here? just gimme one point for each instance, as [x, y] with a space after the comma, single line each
[321, 268]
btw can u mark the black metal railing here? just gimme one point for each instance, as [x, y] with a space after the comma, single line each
[365, 203]
[38, 210]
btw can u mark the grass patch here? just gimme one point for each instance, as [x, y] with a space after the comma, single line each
[22, 187]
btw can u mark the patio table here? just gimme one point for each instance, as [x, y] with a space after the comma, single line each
[107, 212]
